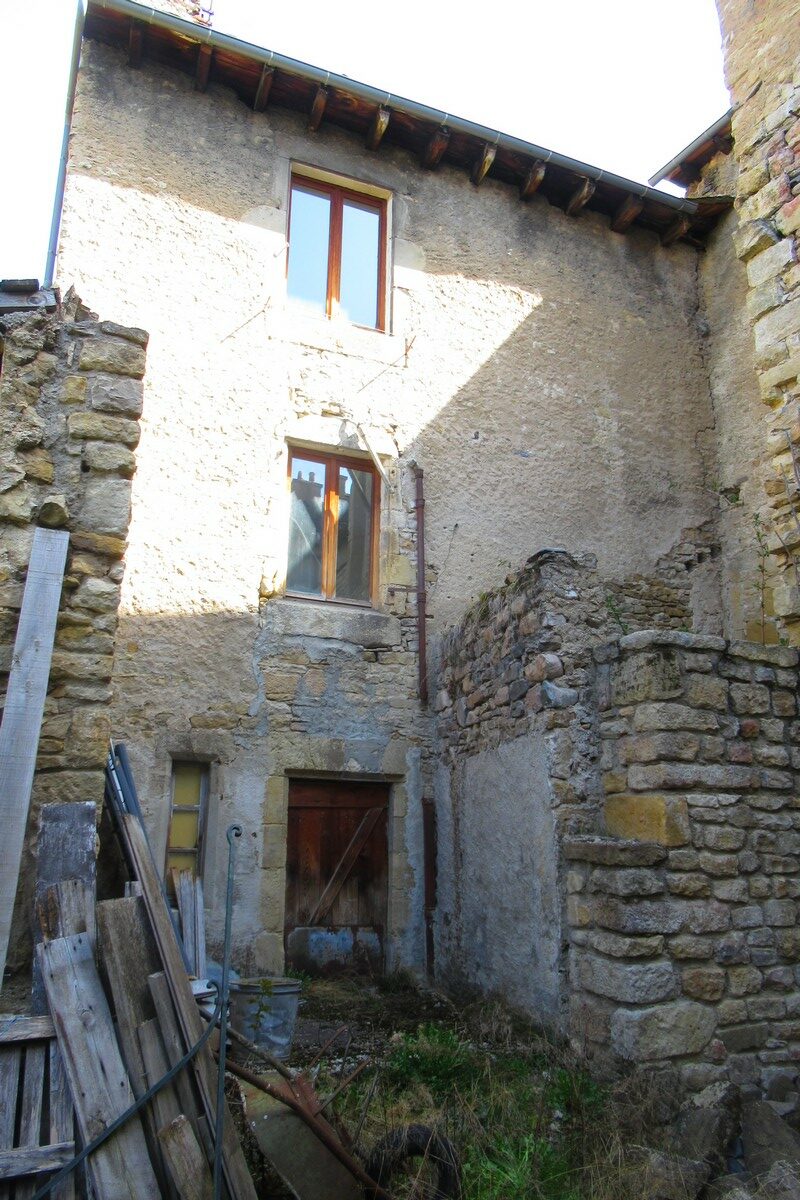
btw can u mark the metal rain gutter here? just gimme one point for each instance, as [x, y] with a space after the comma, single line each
[270, 58]
[706, 136]
[61, 177]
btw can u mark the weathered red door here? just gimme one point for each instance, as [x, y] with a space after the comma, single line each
[336, 873]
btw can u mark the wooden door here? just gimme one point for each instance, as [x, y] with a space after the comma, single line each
[336, 872]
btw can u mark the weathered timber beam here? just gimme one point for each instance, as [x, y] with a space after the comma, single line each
[580, 197]
[135, 41]
[627, 213]
[202, 70]
[674, 232]
[264, 88]
[432, 154]
[533, 178]
[318, 108]
[378, 127]
[482, 165]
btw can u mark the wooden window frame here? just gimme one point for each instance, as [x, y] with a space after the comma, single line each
[337, 194]
[202, 815]
[330, 523]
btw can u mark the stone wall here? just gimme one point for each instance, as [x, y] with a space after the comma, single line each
[762, 52]
[70, 401]
[683, 917]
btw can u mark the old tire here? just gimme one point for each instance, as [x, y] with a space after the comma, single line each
[399, 1146]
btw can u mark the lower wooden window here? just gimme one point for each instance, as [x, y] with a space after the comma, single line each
[187, 818]
[333, 527]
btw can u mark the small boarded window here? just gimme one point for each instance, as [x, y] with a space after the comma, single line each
[187, 818]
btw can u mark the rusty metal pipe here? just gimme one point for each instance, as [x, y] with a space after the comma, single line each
[422, 595]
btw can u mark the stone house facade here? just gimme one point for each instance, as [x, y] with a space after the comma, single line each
[561, 367]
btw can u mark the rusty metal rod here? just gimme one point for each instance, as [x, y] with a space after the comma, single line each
[318, 1127]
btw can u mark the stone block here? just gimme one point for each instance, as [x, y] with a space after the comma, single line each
[131, 333]
[658, 818]
[112, 357]
[749, 698]
[106, 506]
[102, 428]
[626, 882]
[647, 777]
[687, 946]
[689, 885]
[703, 983]
[629, 983]
[706, 691]
[723, 837]
[707, 917]
[777, 325]
[753, 237]
[780, 912]
[612, 853]
[662, 1031]
[96, 595]
[618, 946]
[770, 262]
[116, 394]
[654, 675]
[736, 1038]
[106, 456]
[652, 717]
[744, 980]
[643, 916]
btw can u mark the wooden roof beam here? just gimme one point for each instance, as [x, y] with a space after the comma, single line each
[626, 214]
[318, 108]
[264, 88]
[580, 197]
[678, 229]
[205, 54]
[437, 144]
[378, 127]
[482, 165]
[533, 178]
[135, 44]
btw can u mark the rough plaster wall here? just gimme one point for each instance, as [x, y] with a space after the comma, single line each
[554, 393]
[740, 426]
[510, 926]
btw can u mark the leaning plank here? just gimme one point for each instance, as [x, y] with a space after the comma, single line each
[62, 1117]
[165, 1103]
[345, 865]
[200, 930]
[30, 1117]
[30, 1160]
[184, 890]
[100, 1087]
[186, 1161]
[10, 1058]
[174, 1050]
[24, 707]
[65, 849]
[235, 1169]
[25, 1029]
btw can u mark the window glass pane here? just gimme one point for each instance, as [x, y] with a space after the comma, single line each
[354, 534]
[358, 292]
[308, 249]
[184, 829]
[307, 508]
[186, 782]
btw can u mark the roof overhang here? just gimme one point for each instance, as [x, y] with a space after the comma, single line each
[685, 168]
[262, 77]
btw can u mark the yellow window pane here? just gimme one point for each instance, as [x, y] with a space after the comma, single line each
[187, 780]
[184, 828]
[181, 862]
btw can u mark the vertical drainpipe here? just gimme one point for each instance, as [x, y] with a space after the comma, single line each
[58, 202]
[422, 595]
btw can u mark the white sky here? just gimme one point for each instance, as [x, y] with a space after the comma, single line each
[622, 84]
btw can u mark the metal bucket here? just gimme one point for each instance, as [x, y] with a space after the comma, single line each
[265, 1011]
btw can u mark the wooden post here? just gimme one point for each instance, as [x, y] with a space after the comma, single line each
[22, 719]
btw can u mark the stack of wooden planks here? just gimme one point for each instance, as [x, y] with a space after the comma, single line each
[120, 1014]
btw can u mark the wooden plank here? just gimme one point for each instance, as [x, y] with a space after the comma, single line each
[185, 893]
[165, 1103]
[185, 1160]
[674, 232]
[483, 163]
[98, 1081]
[378, 126]
[437, 144]
[318, 108]
[62, 1117]
[205, 54]
[66, 849]
[532, 180]
[135, 40]
[190, 1023]
[30, 1109]
[627, 213]
[30, 1160]
[264, 88]
[10, 1059]
[188, 1098]
[128, 955]
[24, 707]
[580, 197]
[25, 1029]
[345, 865]
[200, 959]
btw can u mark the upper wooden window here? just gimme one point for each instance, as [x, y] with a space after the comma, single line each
[337, 252]
[333, 527]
